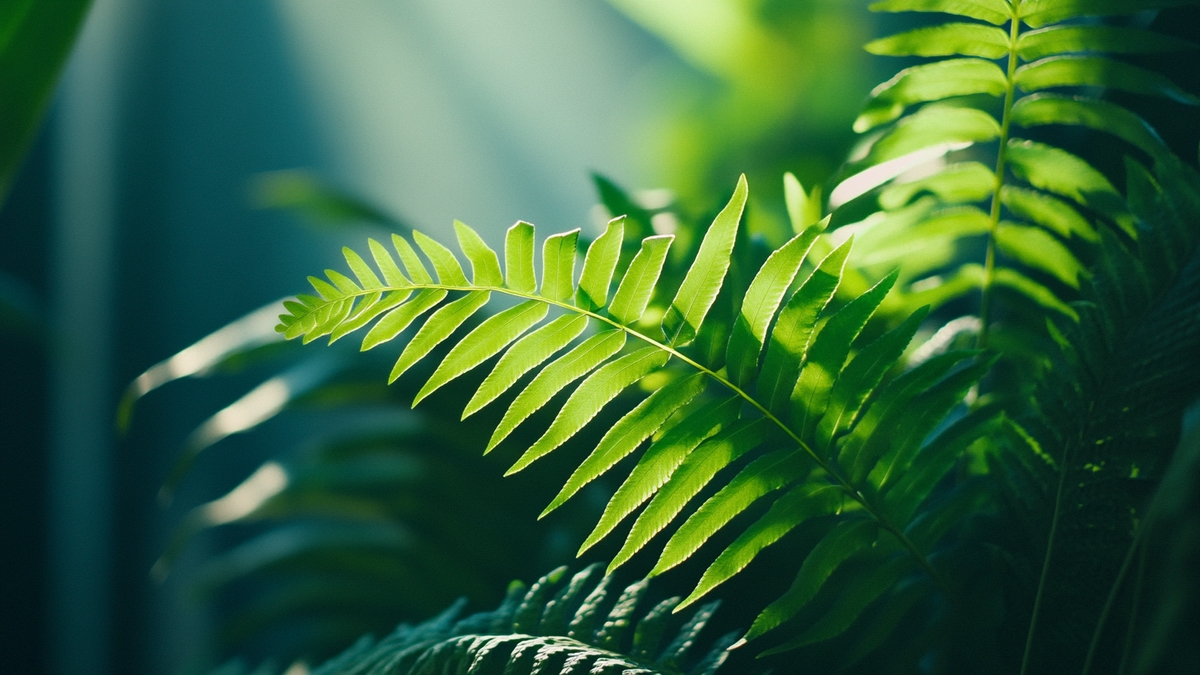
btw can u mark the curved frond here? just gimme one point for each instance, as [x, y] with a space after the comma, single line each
[795, 388]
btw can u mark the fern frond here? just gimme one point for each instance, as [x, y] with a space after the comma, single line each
[764, 392]
[1079, 467]
[1015, 67]
[549, 628]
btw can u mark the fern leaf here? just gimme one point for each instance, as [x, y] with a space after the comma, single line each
[558, 266]
[445, 264]
[392, 275]
[828, 354]
[437, 328]
[850, 605]
[761, 477]
[1055, 40]
[963, 39]
[586, 401]
[518, 258]
[1041, 109]
[611, 632]
[394, 322]
[761, 302]
[525, 355]
[804, 209]
[636, 426]
[843, 541]
[861, 376]
[1095, 71]
[633, 294]
[934, 124]
[792, 332]
[411, 261]
[704, 278]
[1049, 212]
[931, 82]
[566, 369]
[993, 11]
[1040, 250]
[485, 341]
[660, 462]
[1038, 13]
[696, 471]
[797, 506]
[599, 265]
[485, 266]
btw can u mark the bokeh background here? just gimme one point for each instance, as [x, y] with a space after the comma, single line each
[142, 219]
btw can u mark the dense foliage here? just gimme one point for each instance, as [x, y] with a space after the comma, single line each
[959, 392]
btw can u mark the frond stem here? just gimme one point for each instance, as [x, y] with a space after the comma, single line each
[1134, 546]
[843, 483]
[989, 265]
[1037, 600]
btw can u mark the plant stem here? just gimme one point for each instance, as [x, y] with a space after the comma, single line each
[989, 265]
[1111, 600]
[1037, 600]
[825, 466]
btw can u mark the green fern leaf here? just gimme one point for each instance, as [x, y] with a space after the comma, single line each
[586, 401]
[1055, 40]
[518, 258]
[485, 341]
[843, 541]
[566, 369]
[1094, 71]
[1038, 13]
[692, 475]
[525, 355]
[930, 82]
[633, 294]
[485, 266]
[392, 275]
[445, 265]
[636, 426]
[828, 354]
[412, 262]
[558, 266]
[861, 376]
[934, 124]
[394, 322]
[993, 11]
[1041, 109]
[792, 332]
[1040, 250]
[761, 477]
[440, 325]
[599, 265]
[761, 302]
[660, 462]
[788, 512]
[964, 39]
[704, 278]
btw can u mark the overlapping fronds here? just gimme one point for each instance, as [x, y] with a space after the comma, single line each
[769, 396]
[1079, 469]
[560, 625]
[953, 143]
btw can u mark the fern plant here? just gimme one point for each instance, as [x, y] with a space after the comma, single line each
[773, 384]
[1079, 467]
[1000, 71]
[549, 628]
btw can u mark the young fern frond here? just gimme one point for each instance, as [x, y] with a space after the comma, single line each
[1003, 66]
[782, 382]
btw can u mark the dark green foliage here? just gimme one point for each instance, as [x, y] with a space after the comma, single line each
[525, 635]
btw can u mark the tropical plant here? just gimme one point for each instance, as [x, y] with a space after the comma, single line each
[550, 628]
[966, 447]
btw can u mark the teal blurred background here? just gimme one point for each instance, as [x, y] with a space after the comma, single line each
[134, 227]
